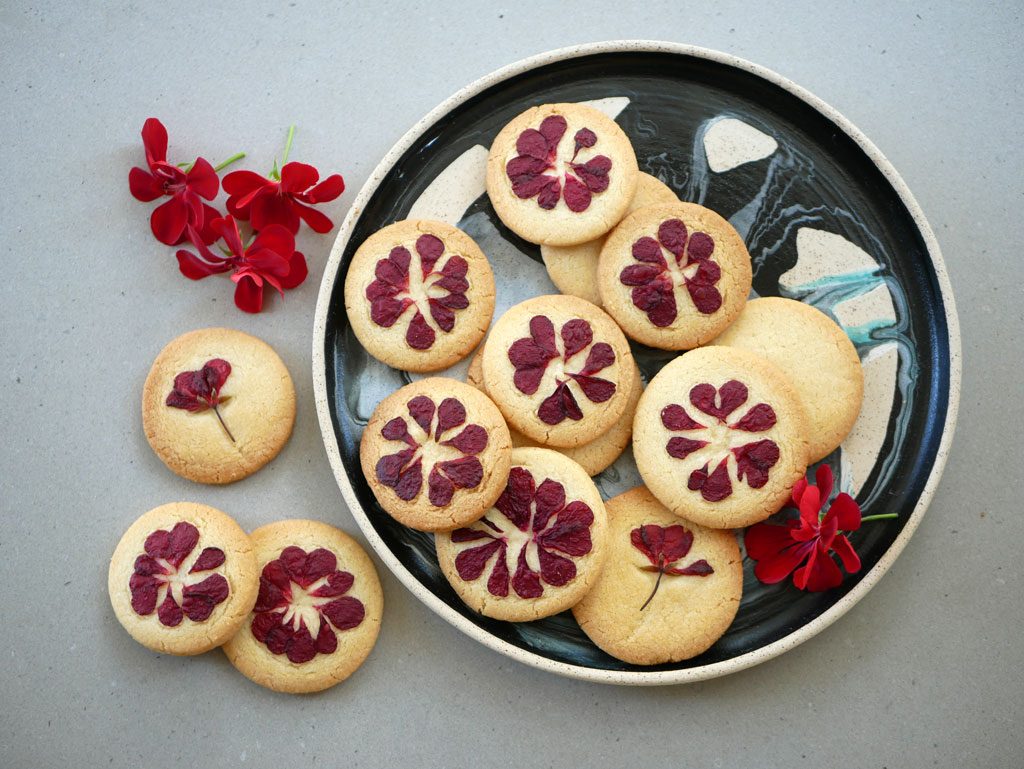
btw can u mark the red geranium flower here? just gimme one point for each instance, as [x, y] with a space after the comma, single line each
[270, 258]
[280, 199]
[185, 208]
[809, 539]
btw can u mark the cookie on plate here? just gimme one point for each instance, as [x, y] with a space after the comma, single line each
[818, 356]
[218, 405]
[318, 611]
[559, 369]
[561, 174]
[720, 437]
[595, 456]
[674, 276]
[573, 269]
[419, 295]
[183, 578]
[669, 589]
[538, 550]
[436, 454]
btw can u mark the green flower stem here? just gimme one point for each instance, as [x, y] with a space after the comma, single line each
[237, 156]
[288, 144]
[879, 517]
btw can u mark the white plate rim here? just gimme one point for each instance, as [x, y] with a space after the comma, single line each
[635, 678]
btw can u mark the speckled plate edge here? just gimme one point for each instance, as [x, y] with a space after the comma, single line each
[635, 678]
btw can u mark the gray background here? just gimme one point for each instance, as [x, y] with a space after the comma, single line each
[925, 671]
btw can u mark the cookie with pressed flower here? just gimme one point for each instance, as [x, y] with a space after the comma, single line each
[573, 269]
[419, 295]
[670, 588]
[559, 369]
[538, 550]
[818, 356]
[595, 456]
[674, 276]
[561, 174]
[318, 611]
[436, 454]
[183, 578]
[720, 437]
[218, 405]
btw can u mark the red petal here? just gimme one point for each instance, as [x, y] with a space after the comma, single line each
[326, 640]
[525, 581]
[754, 461]
[273, 209]
[472, 561]
[672, 235]
[497, 583]
[760, 418]
[298, 177]
[701, 246]
[846, 511]
[168, 220]
[514, 502]
[681, 448]
[842, 547]
[532, 143]
[552, 129]
[577, 196]
[344, 613]
[570, 532]
[420, 335]
[440, 489]
[199, 600]
[275, 238]
[596, 389]
[820, 573]
[317, 221]
[421, 409]
[451, 413]
[338, 583]
[554, 569]
[193, 267]
[549, 499]
[210, 558]
[144, 186]
[548, 196]
[154, 140]
[677, 542]
[576, 336]
[240, 183]
[297, 271]
[228, 229]
[824, 478]
[639, 274]
[327, 190]
[248, 295]
[674, 417]
[601, 356]
[648, 250]
[202, 179]
[465, 473]
[170, 613]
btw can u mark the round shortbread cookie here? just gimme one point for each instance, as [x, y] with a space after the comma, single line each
[318, 611]
[538, 550]
[595, 456]
[561, 174]
[419, 295]
[559, 369]
[436, 454]
[674, 276]
[183, 578]
[573, 269]
[669, 589]
[818, 357]
[217, 405]
[720, 437]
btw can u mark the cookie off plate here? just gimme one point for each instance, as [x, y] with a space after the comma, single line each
[827, 221]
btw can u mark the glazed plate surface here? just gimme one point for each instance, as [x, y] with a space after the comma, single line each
[827, 221]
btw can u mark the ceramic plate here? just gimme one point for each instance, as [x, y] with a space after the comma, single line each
[827, 221]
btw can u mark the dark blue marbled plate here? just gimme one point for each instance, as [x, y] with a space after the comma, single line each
[826, 220]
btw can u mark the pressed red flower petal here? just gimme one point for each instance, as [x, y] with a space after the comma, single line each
[181, 541]
[553, 129]
[680, 447]
[584, 138]
[498, 582]
[699, 568]
[344, 613]
[338, 583]
[451, 413]
[199, 600]
[755, 460]
[389, 467]
[326, 640]
[465, 472]
[440, 489]
[472, 561]
[601, 356]
[443, 317]
[422, 409]
[301, 647]
[154, 141]
[648, 250]
[210, 558]
[420, 335]
[577, 335]
[169, 613]
[577, 196]
[593, 174]
[144, 186]
[596, 389]
[532, 143]
[639, 274]
[674, 417]
[559, 405]
[248, 295]
[570, 533]
[548, 196]
[657, 299]
[701, 246]
[554, 569]
[410, 481]
[714, 487]
[168, 220]
[514, 502]
[263, 623]
[760, 418]
[527, 185]
[672, 234]
[144, 590]
[470, 535]
[525, 581]
[707, 299]
[549, 499]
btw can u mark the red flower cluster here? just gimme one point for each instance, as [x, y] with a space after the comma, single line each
[273, 205]
[809, 539]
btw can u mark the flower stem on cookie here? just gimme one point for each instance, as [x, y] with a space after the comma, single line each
[664, 548]
[198, 391]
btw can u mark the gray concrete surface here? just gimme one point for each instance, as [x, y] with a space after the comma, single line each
[926, 671]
